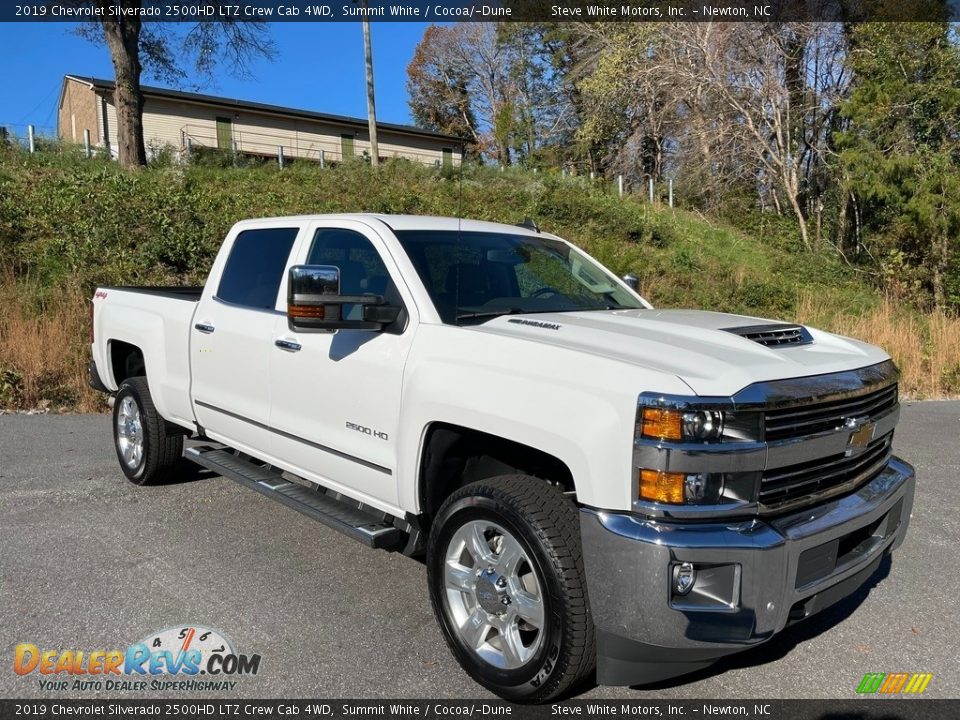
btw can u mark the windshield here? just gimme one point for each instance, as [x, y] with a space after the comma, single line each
[473, 276]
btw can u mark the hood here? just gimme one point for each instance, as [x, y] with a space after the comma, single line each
[693, 345]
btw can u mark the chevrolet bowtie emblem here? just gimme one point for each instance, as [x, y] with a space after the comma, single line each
[863, 430]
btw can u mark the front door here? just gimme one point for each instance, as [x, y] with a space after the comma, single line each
[231, 342]
[336, 395]
[224, 133]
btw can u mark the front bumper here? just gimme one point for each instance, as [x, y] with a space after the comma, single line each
[766, 575]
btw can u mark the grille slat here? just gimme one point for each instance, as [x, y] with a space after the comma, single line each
[780, 487]
[792, 422]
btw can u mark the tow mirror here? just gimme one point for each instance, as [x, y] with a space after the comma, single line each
[314, 302]
[632, 281]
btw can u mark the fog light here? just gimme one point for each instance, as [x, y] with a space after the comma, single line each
[684, 577]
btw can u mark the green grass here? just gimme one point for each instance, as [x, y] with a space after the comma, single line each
[68, 221]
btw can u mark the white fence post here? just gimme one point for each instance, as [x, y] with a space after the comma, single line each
[30, 141]
[670, 192]
[323, 158]
[620, 184]
[280, 156]
[86, 142]
[651, 189]
[592, 176]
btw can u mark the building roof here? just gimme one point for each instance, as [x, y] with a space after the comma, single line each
[234, 104]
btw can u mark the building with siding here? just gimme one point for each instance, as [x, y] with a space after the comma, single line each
[184, 121]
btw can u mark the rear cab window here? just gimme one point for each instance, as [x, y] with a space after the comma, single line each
[254, 269]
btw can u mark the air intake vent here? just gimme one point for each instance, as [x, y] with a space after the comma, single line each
[774, 335]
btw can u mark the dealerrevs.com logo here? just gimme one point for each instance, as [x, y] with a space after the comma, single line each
[180, 658]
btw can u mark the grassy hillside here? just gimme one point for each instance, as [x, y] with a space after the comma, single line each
[68, 224]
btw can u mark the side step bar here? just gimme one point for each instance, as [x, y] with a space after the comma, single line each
[373, 528]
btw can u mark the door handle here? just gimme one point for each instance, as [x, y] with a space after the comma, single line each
[206, 328]
[288, 345]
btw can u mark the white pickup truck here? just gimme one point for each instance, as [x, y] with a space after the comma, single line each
[594, 483]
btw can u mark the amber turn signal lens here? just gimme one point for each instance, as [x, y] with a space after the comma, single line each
[664, 487]
[662, 424]
[317, 312]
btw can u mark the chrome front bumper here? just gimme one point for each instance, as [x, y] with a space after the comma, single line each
[767, 574]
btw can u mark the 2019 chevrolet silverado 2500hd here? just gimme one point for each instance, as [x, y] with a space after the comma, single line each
[594, 482]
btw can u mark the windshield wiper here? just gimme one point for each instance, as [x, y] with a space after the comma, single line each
[488, 314]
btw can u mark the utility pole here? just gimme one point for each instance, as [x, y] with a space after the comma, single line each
[371, 103]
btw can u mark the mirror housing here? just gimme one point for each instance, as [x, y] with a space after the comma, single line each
[314, 303]
[632, 281]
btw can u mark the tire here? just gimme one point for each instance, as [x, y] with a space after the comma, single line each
[497, 640]
[148, 447]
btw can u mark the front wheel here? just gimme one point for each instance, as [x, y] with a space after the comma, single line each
[506, 581]
[148, 447]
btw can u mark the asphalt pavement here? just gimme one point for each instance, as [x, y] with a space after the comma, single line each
[89, 561]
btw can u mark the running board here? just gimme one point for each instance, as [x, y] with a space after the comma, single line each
[373, 528]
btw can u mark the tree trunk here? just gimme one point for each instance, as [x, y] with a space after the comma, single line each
[941, 261]
[123, 40]
[801, 220]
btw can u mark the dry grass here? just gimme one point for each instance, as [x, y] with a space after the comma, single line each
[926, 348]
[43, 353]
[43, 350]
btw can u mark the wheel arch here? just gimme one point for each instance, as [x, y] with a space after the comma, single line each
[455, 455]
[126, 360]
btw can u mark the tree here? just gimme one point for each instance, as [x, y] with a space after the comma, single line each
[900, 156]
[164, 50]
[485, 82]
[439, 89]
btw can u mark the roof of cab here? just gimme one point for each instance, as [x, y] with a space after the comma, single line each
[408, 222]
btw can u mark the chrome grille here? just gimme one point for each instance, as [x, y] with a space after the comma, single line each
[780, 486]
[774, 335]
[790, 422]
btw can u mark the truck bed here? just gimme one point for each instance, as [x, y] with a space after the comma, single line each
[186, 292]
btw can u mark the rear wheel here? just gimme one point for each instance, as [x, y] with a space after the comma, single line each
[506, 581]
[148, 447]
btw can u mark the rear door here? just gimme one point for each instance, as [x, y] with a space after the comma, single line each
[232, 338]
[336, 395]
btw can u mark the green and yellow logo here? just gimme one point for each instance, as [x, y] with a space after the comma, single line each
[894, 683]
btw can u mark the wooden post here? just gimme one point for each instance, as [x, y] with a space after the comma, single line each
[86, 142]
[651, 189]
[280, 156]
[30, 141]
[620, 184]
[670, 192]
[371, 104]
[323, 158]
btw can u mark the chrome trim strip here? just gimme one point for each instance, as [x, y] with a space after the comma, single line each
[791, 451]
[774, 394]
[297, 438]
[700, 457]
[269, 311]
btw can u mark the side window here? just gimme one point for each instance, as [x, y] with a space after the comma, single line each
[362, 271]
[255, 267]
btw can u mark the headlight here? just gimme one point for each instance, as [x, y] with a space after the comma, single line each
[659, 423]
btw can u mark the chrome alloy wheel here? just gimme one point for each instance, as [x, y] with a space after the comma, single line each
[493, 595]
[130, 433]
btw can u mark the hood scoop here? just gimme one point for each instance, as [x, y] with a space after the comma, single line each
[774, 335]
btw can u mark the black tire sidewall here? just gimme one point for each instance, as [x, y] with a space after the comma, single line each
[526, 681]
[137, 475]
